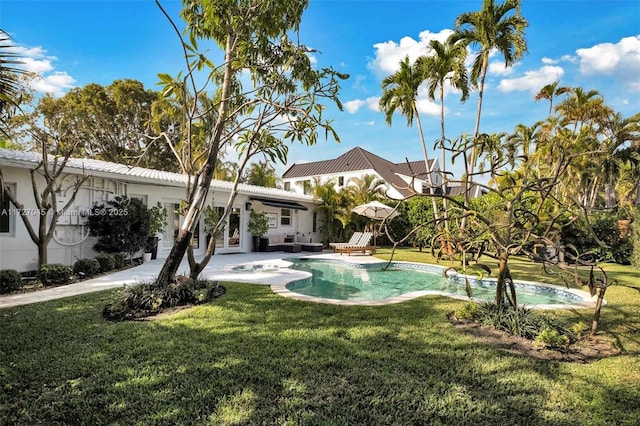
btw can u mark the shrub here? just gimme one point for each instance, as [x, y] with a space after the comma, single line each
[551, 338]
[635, 236]
[55, 274]
[468, 311]
[106, 261]
[10, 280]
[579, 329]
[147, 299]
[118, 259]
[518, 321]
[86, 268]
[122, 222]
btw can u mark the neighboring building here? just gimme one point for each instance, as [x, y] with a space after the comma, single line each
[401, 179]
[289, 213]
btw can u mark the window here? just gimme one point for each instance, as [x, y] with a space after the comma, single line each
[287, 186]
[5, 213]
[285, 217]
[314, 226]
[306, 187]
[341, 181]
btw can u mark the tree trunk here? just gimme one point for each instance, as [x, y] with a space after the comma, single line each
[168, 273]
[596, 314]
[503, 273]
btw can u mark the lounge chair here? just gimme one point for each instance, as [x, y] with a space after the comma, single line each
[363, 245]
[354, 239]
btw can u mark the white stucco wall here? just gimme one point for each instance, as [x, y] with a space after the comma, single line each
[72, 242]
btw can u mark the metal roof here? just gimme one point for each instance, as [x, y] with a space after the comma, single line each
[22, 159]
[360, 159]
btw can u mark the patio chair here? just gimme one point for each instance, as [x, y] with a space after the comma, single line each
[362, 245]
[354, 239]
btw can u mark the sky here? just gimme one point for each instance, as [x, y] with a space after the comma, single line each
[590, 44]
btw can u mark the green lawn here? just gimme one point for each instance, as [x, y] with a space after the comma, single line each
[253, 357]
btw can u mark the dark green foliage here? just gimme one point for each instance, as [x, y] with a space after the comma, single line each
[120, 224]
[84, 268]
[10, 280]
[118, 260]
[635, 237]
[106, 261]
[518, 321]
[55, 274]
[144, 300]
[618, 248]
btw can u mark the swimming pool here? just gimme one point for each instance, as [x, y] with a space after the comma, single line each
[341, 281]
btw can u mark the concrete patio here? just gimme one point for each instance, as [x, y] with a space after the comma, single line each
[219, 268]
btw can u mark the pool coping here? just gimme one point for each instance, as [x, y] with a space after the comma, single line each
[281, 289]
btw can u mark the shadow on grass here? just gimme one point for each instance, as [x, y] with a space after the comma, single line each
[253, 357]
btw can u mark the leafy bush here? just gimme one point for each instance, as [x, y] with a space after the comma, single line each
[468, 311]
[579, 329]
[118, 260]
[122, 222]
[605, 229]
[106, 261]
[10, 280]
[86, 268]
[635, 236]
[55, 274]
[551, 338]
[147, 299]
[522, 322]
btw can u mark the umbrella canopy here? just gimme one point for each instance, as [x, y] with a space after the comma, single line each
[376, 210]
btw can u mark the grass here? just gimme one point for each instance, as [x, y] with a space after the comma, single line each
[252, 357]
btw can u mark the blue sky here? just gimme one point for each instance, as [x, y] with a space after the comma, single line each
[592, 44]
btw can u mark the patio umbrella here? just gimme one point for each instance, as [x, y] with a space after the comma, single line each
[377, 211]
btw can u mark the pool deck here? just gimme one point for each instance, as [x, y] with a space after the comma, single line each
[276, 274]
[219, 268]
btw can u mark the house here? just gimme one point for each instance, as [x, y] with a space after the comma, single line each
[401, 179]
[289, 213]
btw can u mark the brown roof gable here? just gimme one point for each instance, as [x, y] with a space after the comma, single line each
[360, 159]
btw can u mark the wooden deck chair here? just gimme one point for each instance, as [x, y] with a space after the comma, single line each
[362, 245]
[354, 239]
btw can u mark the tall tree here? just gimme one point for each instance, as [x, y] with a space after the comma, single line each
[444, 64]
[400, 93]
[10, 72]
[550, 92]
[498, 27]
[49, 136]
[256, 40]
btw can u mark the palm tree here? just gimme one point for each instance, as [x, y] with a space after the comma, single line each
[262, 174]
[621, 136]
[332, 206]
[400, 92]
[494, 27]
[446, 63]
[10, 87]
[551, 91]
[365, 189]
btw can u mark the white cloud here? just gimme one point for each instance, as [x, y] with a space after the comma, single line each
[366, 123]
[499, 68]
[389, 54]
[313, 59]
[35, 60]
[353, 106]
[549, 61]
[532, 81]
[54, 84]
[621, 60]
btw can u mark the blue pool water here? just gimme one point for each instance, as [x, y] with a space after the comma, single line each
[343, 281]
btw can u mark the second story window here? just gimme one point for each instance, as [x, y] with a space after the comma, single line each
[287, 186]
[341, 181]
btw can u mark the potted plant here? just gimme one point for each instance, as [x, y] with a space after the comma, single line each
[258, 226]
[157, 222]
